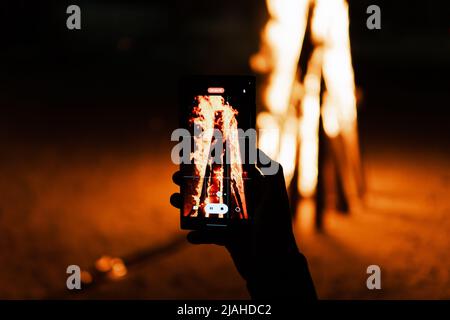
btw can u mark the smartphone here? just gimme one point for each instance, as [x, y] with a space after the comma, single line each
[216, 111]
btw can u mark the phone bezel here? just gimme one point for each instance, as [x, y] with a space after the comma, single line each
[192, 86]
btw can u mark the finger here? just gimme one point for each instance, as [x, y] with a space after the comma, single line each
[177, 177]
[255, 172]
[206, 237]
[176, 200]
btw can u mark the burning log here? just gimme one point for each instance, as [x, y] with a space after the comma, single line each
[295, 110]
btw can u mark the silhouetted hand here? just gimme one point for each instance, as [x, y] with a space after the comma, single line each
[264, 252]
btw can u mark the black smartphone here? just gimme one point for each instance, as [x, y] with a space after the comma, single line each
[217, 113]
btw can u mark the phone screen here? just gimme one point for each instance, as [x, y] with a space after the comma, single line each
[217, 111]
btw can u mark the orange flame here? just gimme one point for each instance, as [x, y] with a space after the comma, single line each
[294, 108]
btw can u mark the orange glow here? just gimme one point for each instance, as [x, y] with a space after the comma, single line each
[103, 264]
[86, 277]
[118, 269]
[114, 267]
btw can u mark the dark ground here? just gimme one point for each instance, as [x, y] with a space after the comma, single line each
[70, 205]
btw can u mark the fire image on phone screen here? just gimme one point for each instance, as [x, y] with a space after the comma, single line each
[215, 181]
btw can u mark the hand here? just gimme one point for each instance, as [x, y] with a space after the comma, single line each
[264, 252]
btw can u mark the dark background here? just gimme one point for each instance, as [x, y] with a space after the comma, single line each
[85, 121]
[127, 59]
